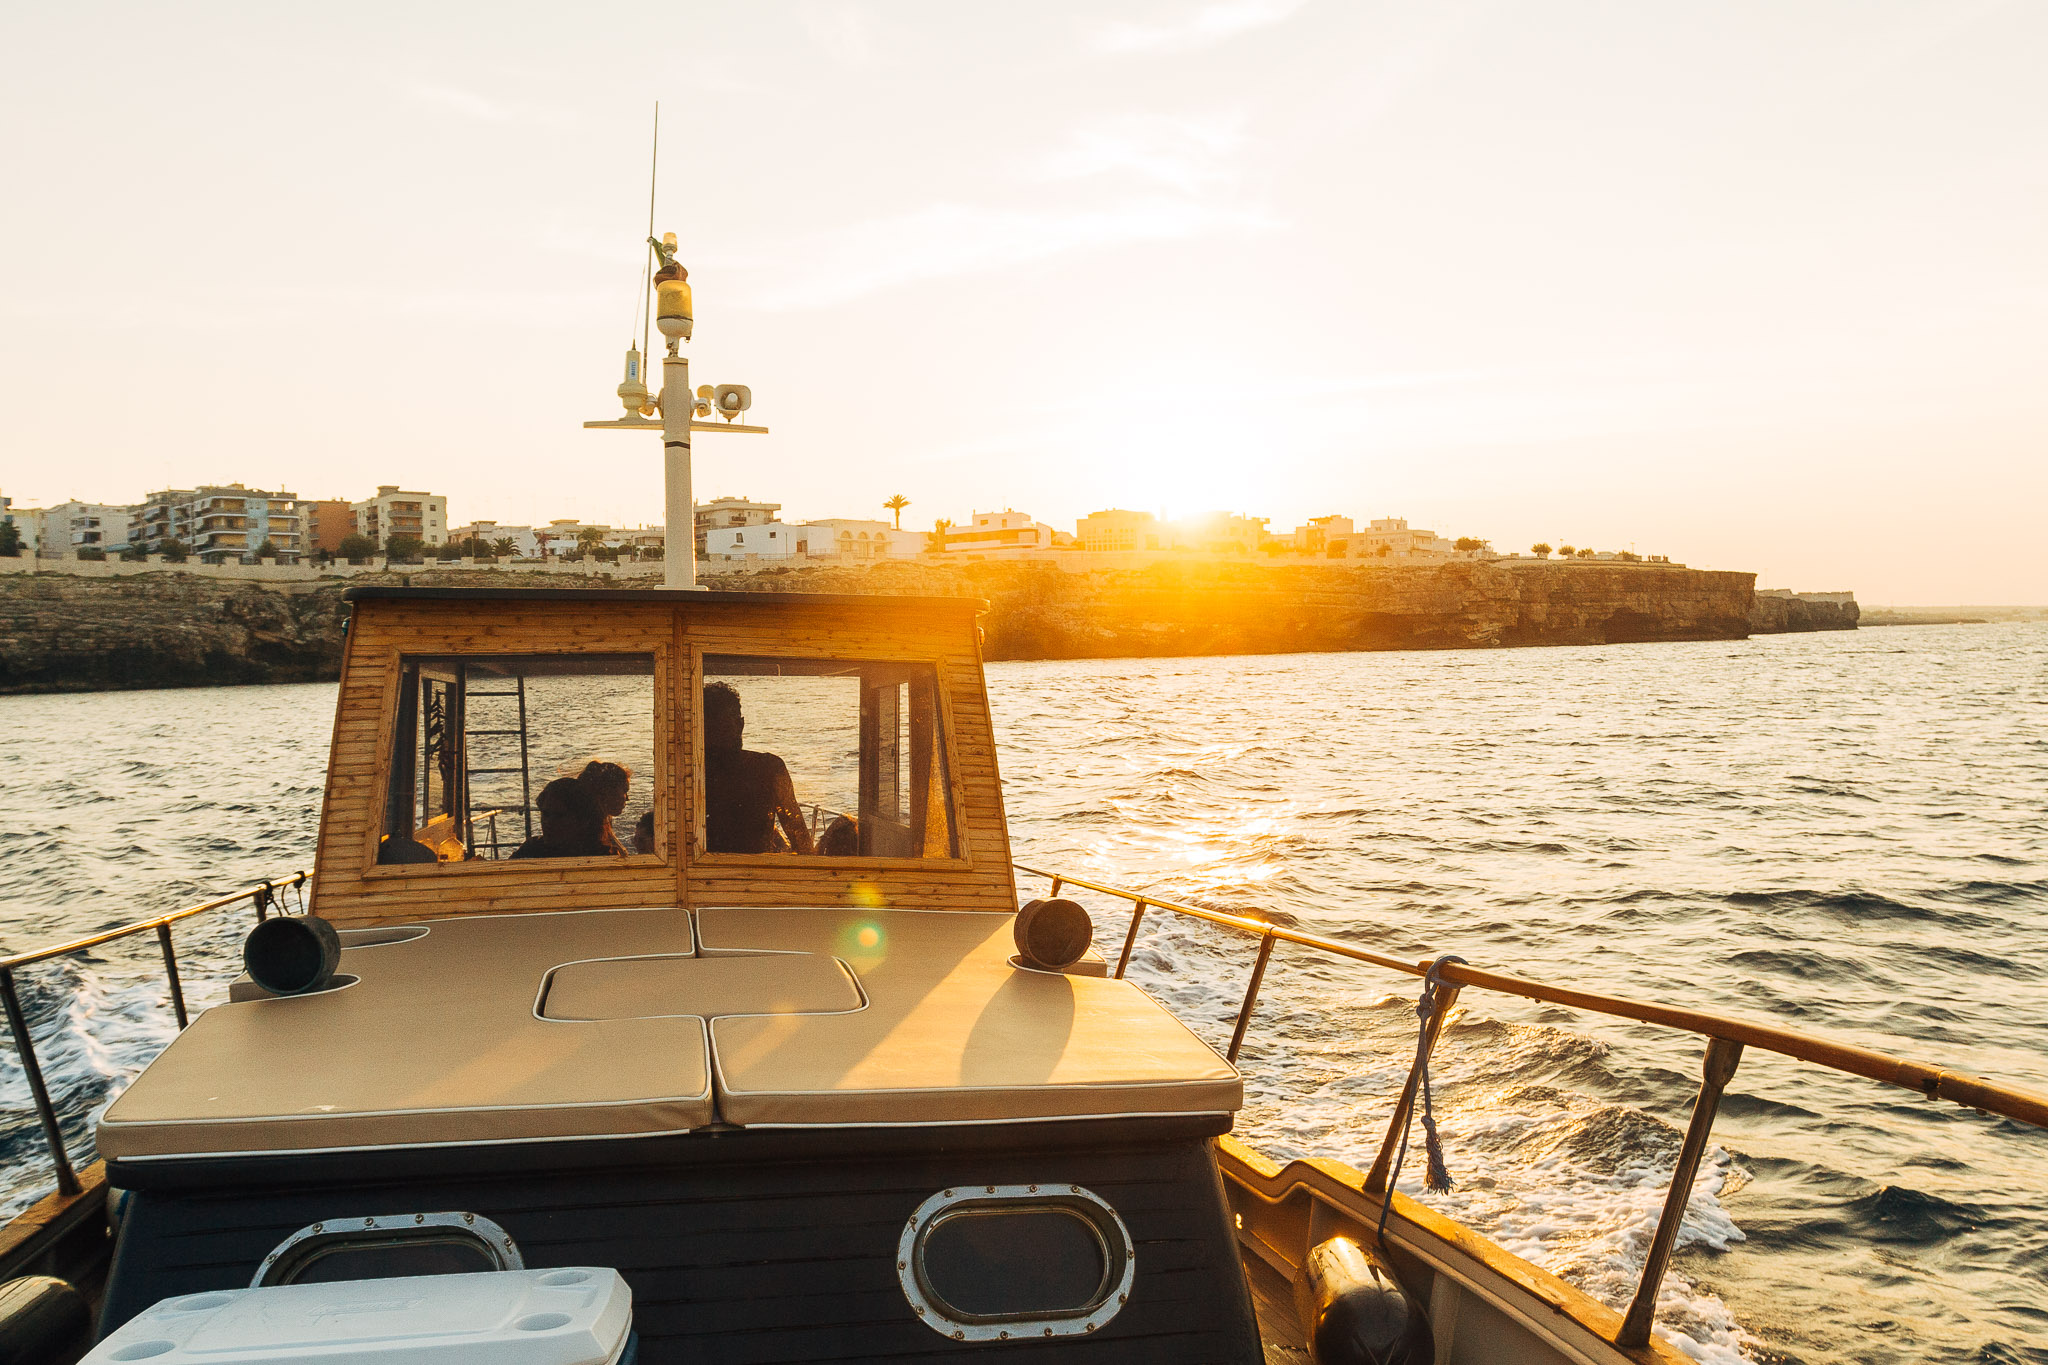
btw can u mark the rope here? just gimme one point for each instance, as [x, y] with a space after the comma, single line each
[1438, 1178]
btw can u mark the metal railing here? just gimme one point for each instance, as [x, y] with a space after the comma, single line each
[1726, 1038]
[266, 896]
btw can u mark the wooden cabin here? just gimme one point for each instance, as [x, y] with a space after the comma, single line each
[811, 1105]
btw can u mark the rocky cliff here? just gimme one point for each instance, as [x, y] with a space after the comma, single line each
[1783, 613]
[169, 630]
[61, 634]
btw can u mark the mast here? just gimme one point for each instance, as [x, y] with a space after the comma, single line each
[673, 412]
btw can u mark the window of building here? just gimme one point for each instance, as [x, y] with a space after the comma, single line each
[837, 758]
[527, 756]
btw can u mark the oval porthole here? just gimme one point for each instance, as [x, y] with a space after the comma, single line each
[1014, 1262]
[390, 1247]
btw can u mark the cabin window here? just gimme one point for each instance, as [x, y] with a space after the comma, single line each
[822, 757]
[531, 756]
[390, 1246]
[994, 1262]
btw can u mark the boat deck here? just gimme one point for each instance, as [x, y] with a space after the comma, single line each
[631, 1023]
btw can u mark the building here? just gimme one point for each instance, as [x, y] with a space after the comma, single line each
[525, 544]
[72, 526]
[1220, 533]
[326, 521]
[1005, 533]
[219, 522]
[1329, 536]
[27, 523]
[399, 512]
[852, 540]
[725, 513]
[1115, 528]
[1391, 538]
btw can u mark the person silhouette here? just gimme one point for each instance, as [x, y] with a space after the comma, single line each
[571, 824]
[607, 783]
[748, 797]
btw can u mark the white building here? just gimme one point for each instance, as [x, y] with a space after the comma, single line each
[524, 544]
[747, 540]
[1007, 533]
[721, 514]
[73, 526]
[399, 512]
[849, 540]
[1220, 533]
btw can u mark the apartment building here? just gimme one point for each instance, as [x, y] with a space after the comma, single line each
[401, 512]
[327, 522]
[726, 513]
[27, 523]
[1004, 533]
[219, 522]
[1117, 528]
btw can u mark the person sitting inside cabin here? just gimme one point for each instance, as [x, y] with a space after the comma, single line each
[571, 824]
[403, 848]
[643, 833]
[607, 783]
[747, 794]
[841, 838]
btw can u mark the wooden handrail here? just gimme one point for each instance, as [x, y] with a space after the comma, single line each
[1935, 1082]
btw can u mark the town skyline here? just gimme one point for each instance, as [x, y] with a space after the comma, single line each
[1758, 289]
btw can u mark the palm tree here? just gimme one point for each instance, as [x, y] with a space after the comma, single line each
[896, 504]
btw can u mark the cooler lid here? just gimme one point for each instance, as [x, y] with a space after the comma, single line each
[572, 1316]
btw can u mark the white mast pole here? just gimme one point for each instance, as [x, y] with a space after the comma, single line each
[679, 551]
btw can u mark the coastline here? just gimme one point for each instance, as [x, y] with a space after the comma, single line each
[61, 632]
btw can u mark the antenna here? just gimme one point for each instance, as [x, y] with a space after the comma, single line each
[647, 266]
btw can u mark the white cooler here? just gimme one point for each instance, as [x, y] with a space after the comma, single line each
[578, 1316]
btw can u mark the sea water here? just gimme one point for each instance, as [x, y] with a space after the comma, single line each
[1842, 833]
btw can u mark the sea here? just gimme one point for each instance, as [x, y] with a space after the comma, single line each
[1841, 833]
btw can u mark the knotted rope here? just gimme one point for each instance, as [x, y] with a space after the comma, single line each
[1434, 991]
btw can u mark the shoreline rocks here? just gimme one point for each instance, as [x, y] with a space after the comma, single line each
[165, 629]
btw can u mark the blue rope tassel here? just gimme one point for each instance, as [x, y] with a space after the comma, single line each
[1438, 1177]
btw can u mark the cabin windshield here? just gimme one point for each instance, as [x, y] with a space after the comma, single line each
[832, 758]
[521, 757]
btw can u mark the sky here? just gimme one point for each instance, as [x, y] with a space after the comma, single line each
[1757, 284]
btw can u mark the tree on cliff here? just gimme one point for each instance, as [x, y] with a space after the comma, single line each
[935, 539]
[403, 547]
[504, 545]
[1585, 552]
[174, 551]
[267, 550]
[1566, 551]
[1541, 549]
[10, 539]
[896, 503]
[1467, 544]
[352, 548]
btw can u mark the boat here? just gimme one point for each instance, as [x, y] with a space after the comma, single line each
[665, 990]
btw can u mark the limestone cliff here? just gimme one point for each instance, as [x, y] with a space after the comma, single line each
[165, 629]
[61, 634]
[1039, 611]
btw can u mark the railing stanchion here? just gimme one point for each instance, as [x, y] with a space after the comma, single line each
[163, 938]
[1131, 937]
[1376, 1179]
[67, 1179]
[1056, 884]
[1251, 996]
[1715, 1073]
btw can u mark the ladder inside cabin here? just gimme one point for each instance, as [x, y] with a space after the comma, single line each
[494, 839]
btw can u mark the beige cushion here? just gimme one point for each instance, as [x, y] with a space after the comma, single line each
[952, 1033]
[437, 1043]
[724, 983]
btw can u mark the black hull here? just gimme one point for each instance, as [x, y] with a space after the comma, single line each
[741, 1247]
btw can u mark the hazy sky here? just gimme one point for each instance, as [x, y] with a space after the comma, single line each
[1756, 285]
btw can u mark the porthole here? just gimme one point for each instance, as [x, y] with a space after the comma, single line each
[388, 1247]
[1015, 1262]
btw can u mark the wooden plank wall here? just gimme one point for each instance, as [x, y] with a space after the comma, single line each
[351, 890]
